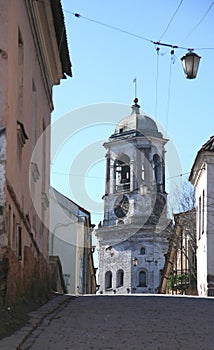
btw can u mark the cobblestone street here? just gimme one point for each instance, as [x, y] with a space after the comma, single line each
[125, 322]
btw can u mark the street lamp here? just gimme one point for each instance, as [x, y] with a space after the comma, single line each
[135, 261]
[190, 63]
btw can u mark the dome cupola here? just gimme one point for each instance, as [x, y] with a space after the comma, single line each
[140, 124]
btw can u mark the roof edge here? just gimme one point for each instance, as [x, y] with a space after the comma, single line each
[60, 29]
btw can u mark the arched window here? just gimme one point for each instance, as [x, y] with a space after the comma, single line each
[143, 250]
[143, 172]
[120, 278]
[108, 280]
[122, 168]
[142, 279]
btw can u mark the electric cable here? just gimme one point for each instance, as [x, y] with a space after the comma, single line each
[157, 80]
[169, 87]
[173, 16]
[196, 26]
[103, 177]
[157, 43]
[77, 175]
[109, 26]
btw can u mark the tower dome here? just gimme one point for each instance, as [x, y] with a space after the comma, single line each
[140, 124]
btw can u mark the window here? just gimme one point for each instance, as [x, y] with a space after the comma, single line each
[14, 233]
[143, 172]
[20, 243]
[9, 226]
[120, 278]
[33, 114]
[142, 279]
[108, 280]
[199, 218]
[143, 250]
[202, 212]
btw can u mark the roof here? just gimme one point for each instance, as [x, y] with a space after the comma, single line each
[140, 124]
[59, 25]
[69, 204]
[207, 146]
[180, 218]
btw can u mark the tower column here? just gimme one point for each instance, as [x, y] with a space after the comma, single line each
[112, 177]
[107, 185]
[132, 175]
[163, 174]
[139, 169]
[147, 168]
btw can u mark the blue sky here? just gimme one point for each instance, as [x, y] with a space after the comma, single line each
[99, 94]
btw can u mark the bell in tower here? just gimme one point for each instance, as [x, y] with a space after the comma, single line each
[133, 236]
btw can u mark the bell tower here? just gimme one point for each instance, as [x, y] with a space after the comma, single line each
[132, 241]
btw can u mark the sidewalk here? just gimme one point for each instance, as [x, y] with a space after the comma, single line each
[15, 341]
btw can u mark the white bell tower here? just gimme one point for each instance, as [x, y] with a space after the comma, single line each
[132, 239]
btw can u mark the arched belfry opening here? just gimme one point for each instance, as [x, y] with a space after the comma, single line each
[122, 172]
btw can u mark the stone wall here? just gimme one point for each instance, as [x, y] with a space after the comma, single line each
[23, 283]
[57, 279]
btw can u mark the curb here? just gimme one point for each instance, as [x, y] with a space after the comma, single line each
[16, 340]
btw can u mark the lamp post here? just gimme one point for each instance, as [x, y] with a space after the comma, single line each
[190, 63]
[135, 261]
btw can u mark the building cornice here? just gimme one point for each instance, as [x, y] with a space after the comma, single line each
[42, 24]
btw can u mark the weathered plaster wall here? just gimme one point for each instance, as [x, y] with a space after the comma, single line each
[24, 94]
[3, 237]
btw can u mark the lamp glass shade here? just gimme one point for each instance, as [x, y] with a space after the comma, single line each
[135, 261]
[190, 64]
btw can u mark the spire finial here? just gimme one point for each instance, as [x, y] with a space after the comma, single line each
[136, 106]
[135, 87]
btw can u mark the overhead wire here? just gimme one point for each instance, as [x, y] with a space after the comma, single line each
[157, 43]
[172, 53]
[189, 172]
[172, 60]
[109, 26]
[197, 25]
[76, 175]
[102, 177]
[173, 16]
[157, 80]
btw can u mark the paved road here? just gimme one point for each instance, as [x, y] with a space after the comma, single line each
[127, 322]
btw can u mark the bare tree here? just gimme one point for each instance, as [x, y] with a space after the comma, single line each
[182, 199]
[179, 272]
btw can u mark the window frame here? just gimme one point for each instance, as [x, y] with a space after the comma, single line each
[120, 278]
[141, 283]
[108, 278]
[142, 250]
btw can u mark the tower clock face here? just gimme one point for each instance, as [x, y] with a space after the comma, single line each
[121, 206]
